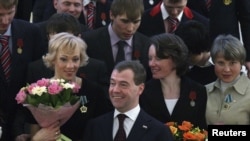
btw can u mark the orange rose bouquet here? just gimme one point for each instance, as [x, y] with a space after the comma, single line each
[186, 132]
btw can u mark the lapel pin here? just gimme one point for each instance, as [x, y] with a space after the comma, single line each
[144, 126]
[19, 46]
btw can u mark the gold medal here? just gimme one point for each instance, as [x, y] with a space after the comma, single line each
[226, 106]
[103, 23]
[192, 103]
[83, 109]
[151, 2]
[19, 50]
[227, 2]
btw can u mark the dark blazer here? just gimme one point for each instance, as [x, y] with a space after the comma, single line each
[153, 24]
[95, 71]
[102, 13]
[152, 101]
[225, 18]
[198, 6]
[150, 3]
[99, 47]
[145, 128]
[202, 75]
[32, 49]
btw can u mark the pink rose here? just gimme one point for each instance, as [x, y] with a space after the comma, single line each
[21, 96]
[43, 82]
[54, 88]
[30, 87]
[76, 88]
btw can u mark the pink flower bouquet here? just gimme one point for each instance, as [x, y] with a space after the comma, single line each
[50, 100]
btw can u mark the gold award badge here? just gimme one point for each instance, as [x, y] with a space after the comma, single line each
[227, 2]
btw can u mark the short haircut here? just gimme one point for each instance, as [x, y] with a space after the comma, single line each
[230, 47]
[195, 35]
[65, 40]
[63, 22]
[170, 45]
[136, 67]
[7, 4]
[132, 8]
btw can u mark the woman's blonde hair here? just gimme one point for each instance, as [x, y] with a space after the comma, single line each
[65, 41]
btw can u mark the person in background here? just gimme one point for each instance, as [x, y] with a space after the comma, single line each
[21, 43]
[126, 86]
[231, 17]
[166, 17]
[101, 11]
[66, 54]
[170, 95]
[104, 43]
[196, 36]
[228, 96]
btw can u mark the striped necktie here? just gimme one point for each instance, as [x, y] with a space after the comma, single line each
[90, 15]
[5, 57]
[172, 24]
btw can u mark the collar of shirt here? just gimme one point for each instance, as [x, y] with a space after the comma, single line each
[8, 32]
[165, 13]
[132, 114]
[114, 38]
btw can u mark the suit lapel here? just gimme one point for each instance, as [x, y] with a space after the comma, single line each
[141, 125]
[107, 127]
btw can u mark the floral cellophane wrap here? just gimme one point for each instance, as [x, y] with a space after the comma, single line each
[46, 115]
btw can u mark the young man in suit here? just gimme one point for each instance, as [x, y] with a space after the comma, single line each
[24, 45]
[101, 15]
[231, 17]
[126, 86]
[125, 19]
[159, 19]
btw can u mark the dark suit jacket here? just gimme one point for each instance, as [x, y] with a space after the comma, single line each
[32, 49]
[224, 19]
[99, 47]
[145, 128]
[152, 101]
[148, 4]
[153, 24]
[102, 13]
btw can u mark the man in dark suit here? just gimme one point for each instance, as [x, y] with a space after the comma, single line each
[125, 19]
[25, 45]
[226, 16]
[126, 85]
[155, 20]
[101, 17]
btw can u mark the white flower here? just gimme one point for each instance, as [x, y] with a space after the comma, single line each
[39, 90]
[67, 86]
